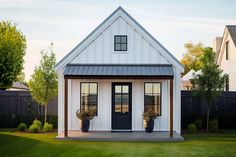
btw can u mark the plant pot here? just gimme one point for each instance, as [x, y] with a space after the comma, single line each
[149, 125]
[85, 125]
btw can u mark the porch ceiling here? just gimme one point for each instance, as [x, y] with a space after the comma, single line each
[133, 71]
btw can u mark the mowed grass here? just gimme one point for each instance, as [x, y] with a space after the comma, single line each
[13, 143]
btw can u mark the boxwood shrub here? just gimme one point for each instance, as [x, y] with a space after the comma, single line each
[22, 127]
[47, 127]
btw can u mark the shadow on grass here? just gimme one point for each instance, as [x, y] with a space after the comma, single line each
[210, 137]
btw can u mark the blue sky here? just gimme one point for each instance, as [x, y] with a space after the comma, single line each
[66, 23]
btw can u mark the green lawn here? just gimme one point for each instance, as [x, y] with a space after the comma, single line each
[43, 145]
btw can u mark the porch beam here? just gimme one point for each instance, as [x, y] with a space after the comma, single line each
[171, 108]
[66, 108]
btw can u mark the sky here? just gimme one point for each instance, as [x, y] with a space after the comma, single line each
[67, 22]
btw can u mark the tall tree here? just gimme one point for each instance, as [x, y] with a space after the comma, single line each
[208, 84]
[12, 51]
[43, 83]
[191, 59]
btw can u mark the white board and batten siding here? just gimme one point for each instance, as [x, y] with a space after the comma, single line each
[139, 50]
[98, 48]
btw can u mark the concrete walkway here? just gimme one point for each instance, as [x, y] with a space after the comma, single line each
[121, 136]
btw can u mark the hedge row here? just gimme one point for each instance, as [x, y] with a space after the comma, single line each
[12, 121]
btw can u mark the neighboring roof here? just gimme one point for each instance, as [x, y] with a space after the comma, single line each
[98, 30]
[190, 75]
[120, 70]
[232, 32]
[19, 85]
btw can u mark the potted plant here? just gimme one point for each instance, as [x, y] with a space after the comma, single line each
[85, 117]
[149, 115]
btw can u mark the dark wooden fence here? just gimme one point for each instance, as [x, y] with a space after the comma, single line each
[223, 109]
[18, 106]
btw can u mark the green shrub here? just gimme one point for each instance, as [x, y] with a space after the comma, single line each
[47, 127]
[214, 125]
[192, 128]
[37, 123]
[36, 126]
[22, 127]
[198, 123]
[10, 121]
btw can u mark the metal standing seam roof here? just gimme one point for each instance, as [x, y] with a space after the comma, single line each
[123, 70]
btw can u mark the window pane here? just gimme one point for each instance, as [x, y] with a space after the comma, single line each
[84, 88]
[118, 103]
[125, 108]
[92, 98]
[125, 89]
[84, 99]
[93, 88]
[117, 107]
[148, 87]
[117, 47]
[93, 108]
[117, 39]
[156, 87]
[118, 89]
[156, 99]
[123, 47]
[123, 39]
[152, 97]
[88, 97]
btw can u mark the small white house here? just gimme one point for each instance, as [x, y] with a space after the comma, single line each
[225, 48]
[118, 70]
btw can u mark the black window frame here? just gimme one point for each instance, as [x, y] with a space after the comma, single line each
[160, 114]
[227, 50]
[96, 114]
[120, 42]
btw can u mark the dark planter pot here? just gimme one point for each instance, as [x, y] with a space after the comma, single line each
[85, 125]
[149, 126]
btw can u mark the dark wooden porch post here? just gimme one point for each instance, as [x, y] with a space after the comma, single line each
[171, 108]
[66, 108]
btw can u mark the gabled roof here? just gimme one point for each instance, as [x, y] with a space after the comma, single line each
[65, 60]
[232, 32]
[190, 75]
[19, 85]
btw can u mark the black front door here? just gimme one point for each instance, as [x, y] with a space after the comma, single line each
[121, 106]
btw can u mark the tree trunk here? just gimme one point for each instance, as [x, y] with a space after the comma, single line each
[208, 112]
[45, 113]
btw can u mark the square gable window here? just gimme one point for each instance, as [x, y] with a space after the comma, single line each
[120, 43]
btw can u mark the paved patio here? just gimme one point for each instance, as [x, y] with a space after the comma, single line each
[121, 136]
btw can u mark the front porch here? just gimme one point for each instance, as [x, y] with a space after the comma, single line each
[121, 136]
[133, 78]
